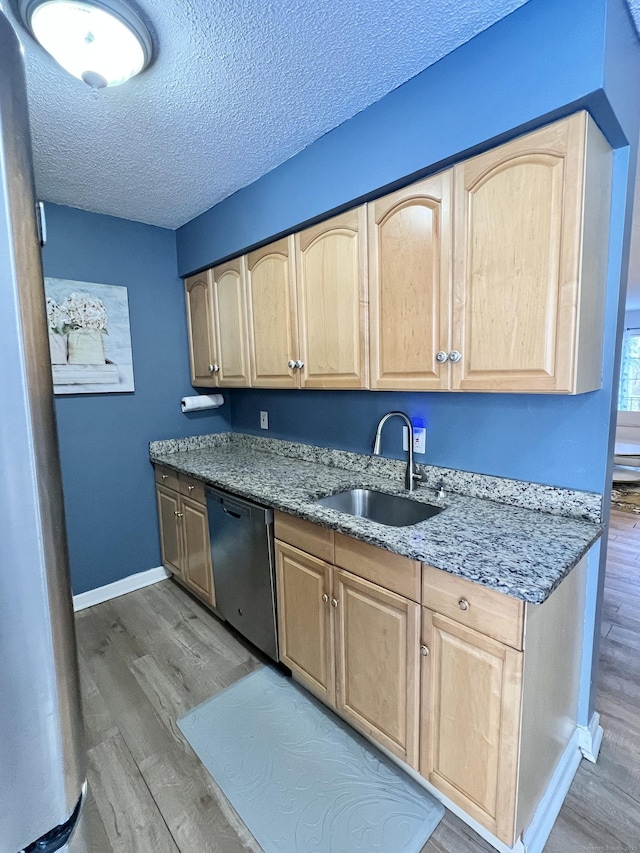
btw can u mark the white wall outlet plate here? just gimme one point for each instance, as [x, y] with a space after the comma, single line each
[264, 420]
[419, 440]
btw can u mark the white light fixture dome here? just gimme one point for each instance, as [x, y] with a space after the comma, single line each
[103, 42]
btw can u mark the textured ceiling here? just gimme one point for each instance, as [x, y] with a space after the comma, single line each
[237, 87]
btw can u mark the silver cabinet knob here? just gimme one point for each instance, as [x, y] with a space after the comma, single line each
[216, 368]
[442, 356]
[463, 604]
[424, 651]
[211, 366]
[164, 476]
[191, 488]
[334, 602]
[325, 597]
[299, 364]
[291, 364]
[178, 514]
[455, 356]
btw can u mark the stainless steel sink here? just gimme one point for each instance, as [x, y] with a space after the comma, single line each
[393, 510]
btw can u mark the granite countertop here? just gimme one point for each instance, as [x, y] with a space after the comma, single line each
[515, 550]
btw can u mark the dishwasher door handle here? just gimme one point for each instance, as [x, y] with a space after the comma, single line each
[229, 512]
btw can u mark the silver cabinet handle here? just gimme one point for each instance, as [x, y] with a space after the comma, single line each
[463, 604]
[299, 364]
[334, 602]
[442, 356]
[191, 488]
[291, 364]
[455, 356]
[424, 651]
[164, 476]
[325, 597]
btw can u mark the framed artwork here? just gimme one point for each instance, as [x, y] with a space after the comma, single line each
[89, 337]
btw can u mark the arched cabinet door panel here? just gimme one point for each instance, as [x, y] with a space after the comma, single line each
[530, 257]
[200, 328]
[410, 248]
[230, 319]
[332, 302]
[272, 310]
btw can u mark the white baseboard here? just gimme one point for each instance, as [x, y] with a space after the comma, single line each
[121, 587]
[590, 738]
[536, 834]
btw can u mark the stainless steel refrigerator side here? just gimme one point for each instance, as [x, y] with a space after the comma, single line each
[42, 764]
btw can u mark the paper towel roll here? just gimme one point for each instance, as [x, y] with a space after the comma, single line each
[201, 401]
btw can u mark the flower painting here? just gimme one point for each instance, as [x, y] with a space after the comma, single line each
[89, 337]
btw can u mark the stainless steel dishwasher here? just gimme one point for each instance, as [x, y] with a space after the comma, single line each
[241, 535]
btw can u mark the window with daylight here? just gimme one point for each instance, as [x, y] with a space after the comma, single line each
[629, 397]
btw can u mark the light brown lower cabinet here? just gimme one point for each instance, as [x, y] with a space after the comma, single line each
[184, 532]
[499, 683]
[471, 701]
[352, 643]
[170, 539]
[475, 689]
[304, 626]
[377, 662]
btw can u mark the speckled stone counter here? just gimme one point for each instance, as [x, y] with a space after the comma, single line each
[494, 540]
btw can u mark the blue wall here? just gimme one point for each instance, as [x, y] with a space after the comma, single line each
[546, 60]
[107, 479]
[537, 438]
[497, 85]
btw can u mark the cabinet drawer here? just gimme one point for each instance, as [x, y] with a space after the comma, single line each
[305, 535]
[166, 477]
[191, 488]
[399, 574]
[492, 613]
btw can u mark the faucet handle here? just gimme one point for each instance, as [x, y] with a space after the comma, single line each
[441, 492]
[418, 476]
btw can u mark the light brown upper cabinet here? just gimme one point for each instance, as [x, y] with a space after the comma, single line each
[486, 277]
[217, 326]
[410, 286]
[228, 295]
[273, 328]
[200, 327]
[332, 302]
[307, 298]
[530, 262]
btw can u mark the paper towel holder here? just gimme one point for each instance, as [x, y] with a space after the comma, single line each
[201, 402]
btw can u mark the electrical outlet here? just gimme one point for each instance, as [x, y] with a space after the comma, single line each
[264, 420]
[419, 438]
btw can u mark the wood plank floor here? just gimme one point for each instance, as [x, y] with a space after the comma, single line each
[148, 657]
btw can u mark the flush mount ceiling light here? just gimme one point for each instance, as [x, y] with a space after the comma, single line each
[103, 42]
